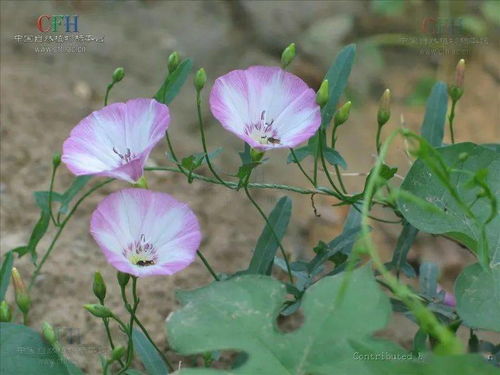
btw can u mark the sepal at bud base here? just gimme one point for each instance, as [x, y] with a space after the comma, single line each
[342, 114]
[23, 299]
[117, 353]
[123, 278]
[118, 74]
[288, 55]
[322, 94]
[56, 159]
[173, 61]
[5, 312]
[98, 310]
[256, 155]
[99, 287]
[200, 79]
[384, 108]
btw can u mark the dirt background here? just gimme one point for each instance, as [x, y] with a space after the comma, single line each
[43, 95]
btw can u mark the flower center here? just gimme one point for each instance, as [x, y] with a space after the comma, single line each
[126, 157]
[262, 131]
[141, 253]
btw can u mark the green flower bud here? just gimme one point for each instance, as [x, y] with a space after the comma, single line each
[384, 108]
[482, 193]
[117, 353]
[23, 299]
[5, 312]
[288, 55]
[56, 159]
[123, 278]
[200, 79]
[98, 310]
[456, 90]
[322, 94]
[463, 156]
[118, 74]
[49, 334]
[342, 114]
[173, 61]
[99, 287]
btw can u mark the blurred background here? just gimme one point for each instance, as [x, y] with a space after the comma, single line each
[402, 45]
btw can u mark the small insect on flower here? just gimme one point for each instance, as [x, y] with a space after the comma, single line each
[145, 233]
[116, 140]
[266, 106]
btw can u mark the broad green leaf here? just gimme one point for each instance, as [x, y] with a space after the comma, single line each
[23, 352]
[399, 260]
[446, 216]
[337, 77]
[174, 82]
[5, 272]
[478, 297]
[240, 314]
[301, 153]
[334, 158]
[147, 353]
[36, 235]
[263, 256]
[77, 185]
[435, 115]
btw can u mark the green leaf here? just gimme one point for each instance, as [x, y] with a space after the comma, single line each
[388, 7]
[77, 185]
[477, 291]
[147, 353]
[174, 82]
[5, 272]
[334, 158]
[443, 215]
[23, 351]
[399, 260]
[263, 256]
[301, 153]
[429, 274]
[36, 235]
[337, 77]
[435, 115]
[240, 314]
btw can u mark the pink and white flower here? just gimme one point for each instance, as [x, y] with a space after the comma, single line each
[145, 233]
[116, 140]
[266, 106]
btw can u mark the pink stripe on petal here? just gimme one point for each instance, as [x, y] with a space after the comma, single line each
[116, 140]
[145, 233]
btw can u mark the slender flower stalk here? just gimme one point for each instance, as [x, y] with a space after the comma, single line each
[455, 91]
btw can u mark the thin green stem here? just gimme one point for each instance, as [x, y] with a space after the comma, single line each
[132, 310]
[325, 168]
[61, 228]
[172, 152]
[377, 139]
[296, 161]
[341, 182]
[207, 265]
[234, 185]
[204, 142]
[256, 205]
[108, 89]
[451, 117]
[51, 190]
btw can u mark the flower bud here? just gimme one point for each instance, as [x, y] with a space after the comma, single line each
[123, 278]
[56, 159]
[98, 310]
[322, 94]
[384, 108]
[99, 287]
[456, 90]
[117, 353]
[200, 79]
[5, 312]
[463, 156]
[23, 299]
[342, 114]
[288, 55]
[118, 74]
[49, 334]
[173, 61]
